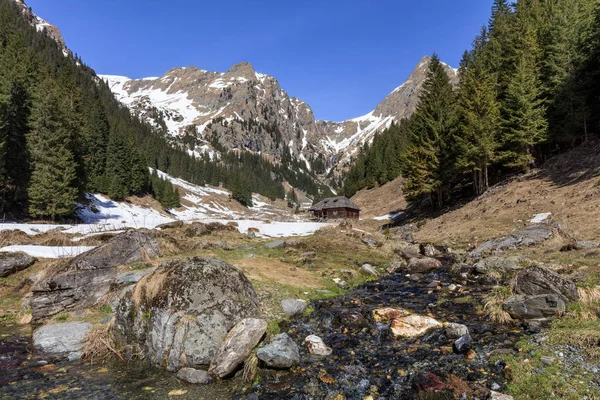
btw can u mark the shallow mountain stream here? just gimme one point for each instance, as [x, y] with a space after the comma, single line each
[366, 359]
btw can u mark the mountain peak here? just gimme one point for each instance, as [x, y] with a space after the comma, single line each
[242, 69]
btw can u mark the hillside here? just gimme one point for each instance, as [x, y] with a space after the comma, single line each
[381, 201]
[568, 186]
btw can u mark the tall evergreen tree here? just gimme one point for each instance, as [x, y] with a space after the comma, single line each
[478, 108]
[524, 112]
[428, 161]
[53, 187]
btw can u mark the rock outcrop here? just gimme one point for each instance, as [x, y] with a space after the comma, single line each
[527, 236]
[179, 315]
[538, 280]
[82, 281]
[11, 263]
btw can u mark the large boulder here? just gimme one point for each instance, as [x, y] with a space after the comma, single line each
[237, 346]
[526, 236]
[538, 280]
[523, 307]
[179, 315]
[280, 352]
[61, 338]
[82, 281]
[11, 263]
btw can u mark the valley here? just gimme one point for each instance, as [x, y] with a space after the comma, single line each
[177, 237]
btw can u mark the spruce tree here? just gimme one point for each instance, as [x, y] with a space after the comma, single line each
[478, 112]
[428, 160]
[53, 187]
[524, 121]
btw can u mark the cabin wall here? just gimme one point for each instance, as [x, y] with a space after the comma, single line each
[337, 213]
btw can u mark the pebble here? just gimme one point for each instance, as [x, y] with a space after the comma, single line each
[547, 360]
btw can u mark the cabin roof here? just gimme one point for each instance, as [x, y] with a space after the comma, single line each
[334, 202]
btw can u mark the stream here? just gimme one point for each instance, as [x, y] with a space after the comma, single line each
[366, 359]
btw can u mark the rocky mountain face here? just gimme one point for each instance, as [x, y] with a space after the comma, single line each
[40, 24]
[246, 110]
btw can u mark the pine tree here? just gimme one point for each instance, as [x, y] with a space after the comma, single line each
[478, 111]
[96, 133]
[428, 160]
[53, 187]
[524, 112]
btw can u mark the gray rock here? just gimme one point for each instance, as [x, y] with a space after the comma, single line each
[128, 278]
[74, 356]
[499, 264]
[316, 346]
[61, 338]
[274, 244]
[370, 242]
[586, 245]
[527, 236]
[409, 251]
[547, 360]
[293, 306]
[280, 352]
[538, 280]
[423, 265]
[369, 270]
[395, 266]
[237, 346]
[499, 396]
[194, 376]
[251, 234]
[428, 250]
[462, 344]
[11, 263]
[534, 307]
[455, 331]
[179, 315]
[82, 281]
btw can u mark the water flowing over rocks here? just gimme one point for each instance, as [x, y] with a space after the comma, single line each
[363, 358]
[237, 346]
[179, 315]
[11, 263]
[82, 281]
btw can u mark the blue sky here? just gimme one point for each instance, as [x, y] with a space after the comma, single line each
[340, 56]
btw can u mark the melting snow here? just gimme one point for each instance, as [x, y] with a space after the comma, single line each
[391, 216]
[540, 218]
[49, 251]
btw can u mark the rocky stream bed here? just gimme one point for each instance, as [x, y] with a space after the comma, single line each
[366, 359]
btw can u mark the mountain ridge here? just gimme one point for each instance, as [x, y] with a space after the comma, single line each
[189, 96]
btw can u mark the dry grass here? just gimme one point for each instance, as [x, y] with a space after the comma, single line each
[149, 286]
[568, 186]
[98, 345]
[380, 201]
[458, 385]
[250, 368]
[493, 306]
[270, 269]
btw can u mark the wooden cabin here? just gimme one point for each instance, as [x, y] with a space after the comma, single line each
[335, 208]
